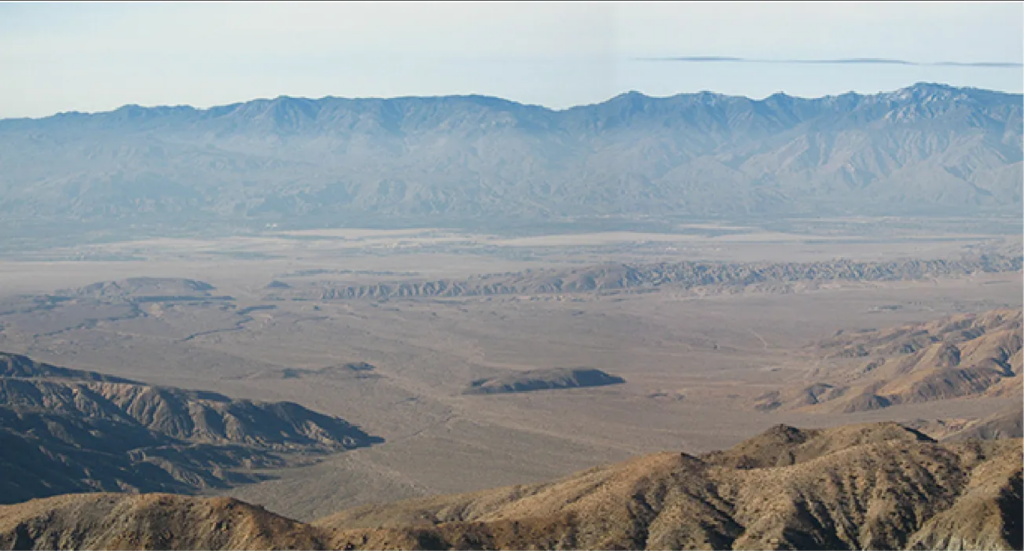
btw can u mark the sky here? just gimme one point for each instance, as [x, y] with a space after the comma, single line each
[89, 57]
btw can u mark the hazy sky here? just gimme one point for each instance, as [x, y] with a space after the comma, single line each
[94, 57]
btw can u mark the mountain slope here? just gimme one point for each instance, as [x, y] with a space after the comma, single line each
[1008, 423]
[957, 356]
[152, 521]
[860, 486]
[65, 430]
[925, 149]
[875, 486]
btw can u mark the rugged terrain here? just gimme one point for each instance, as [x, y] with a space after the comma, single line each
[963, 355]
[704, 277]
[149, 521]
[926, 149]
[1003, 424]
[65, 430]
[876, 485]
[401, 369]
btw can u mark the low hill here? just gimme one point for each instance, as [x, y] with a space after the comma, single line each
[65, 430]
[862, 486]
[709, 277]
[350, 370]
[542, 379]
[146, 289]
[957, 356]
[1003, 424]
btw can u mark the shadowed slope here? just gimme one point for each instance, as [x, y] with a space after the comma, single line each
[64, 430]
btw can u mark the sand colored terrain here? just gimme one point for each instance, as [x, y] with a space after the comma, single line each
[953, 357]
[195, 314]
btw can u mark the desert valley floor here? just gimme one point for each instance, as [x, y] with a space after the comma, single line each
[398, 331]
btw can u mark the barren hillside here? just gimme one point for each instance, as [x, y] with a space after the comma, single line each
[958, 356]
[858, 486]
[65, 430]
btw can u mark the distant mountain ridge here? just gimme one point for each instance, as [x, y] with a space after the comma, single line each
[709, 277]
[925, 149]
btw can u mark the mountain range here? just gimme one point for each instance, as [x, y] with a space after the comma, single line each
[873, 486]
[927, 149]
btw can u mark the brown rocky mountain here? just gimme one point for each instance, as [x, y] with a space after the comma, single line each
[149, 521]
[874, 486]
[961, 355]
[861, 486]
[65, 430]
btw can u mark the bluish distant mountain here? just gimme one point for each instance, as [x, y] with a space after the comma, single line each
[927, 149]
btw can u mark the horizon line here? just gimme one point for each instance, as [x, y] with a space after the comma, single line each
[485, 96]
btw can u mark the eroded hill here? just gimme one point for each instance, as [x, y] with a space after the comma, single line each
[860, 486]
[66, 430]
[958, 356]
[1008, 423]
[709, 277]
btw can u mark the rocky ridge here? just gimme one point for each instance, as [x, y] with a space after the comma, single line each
[860, 486]
[65, 430]
[709, 277]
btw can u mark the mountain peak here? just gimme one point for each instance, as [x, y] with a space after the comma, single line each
[325, 158]
[929, 90]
